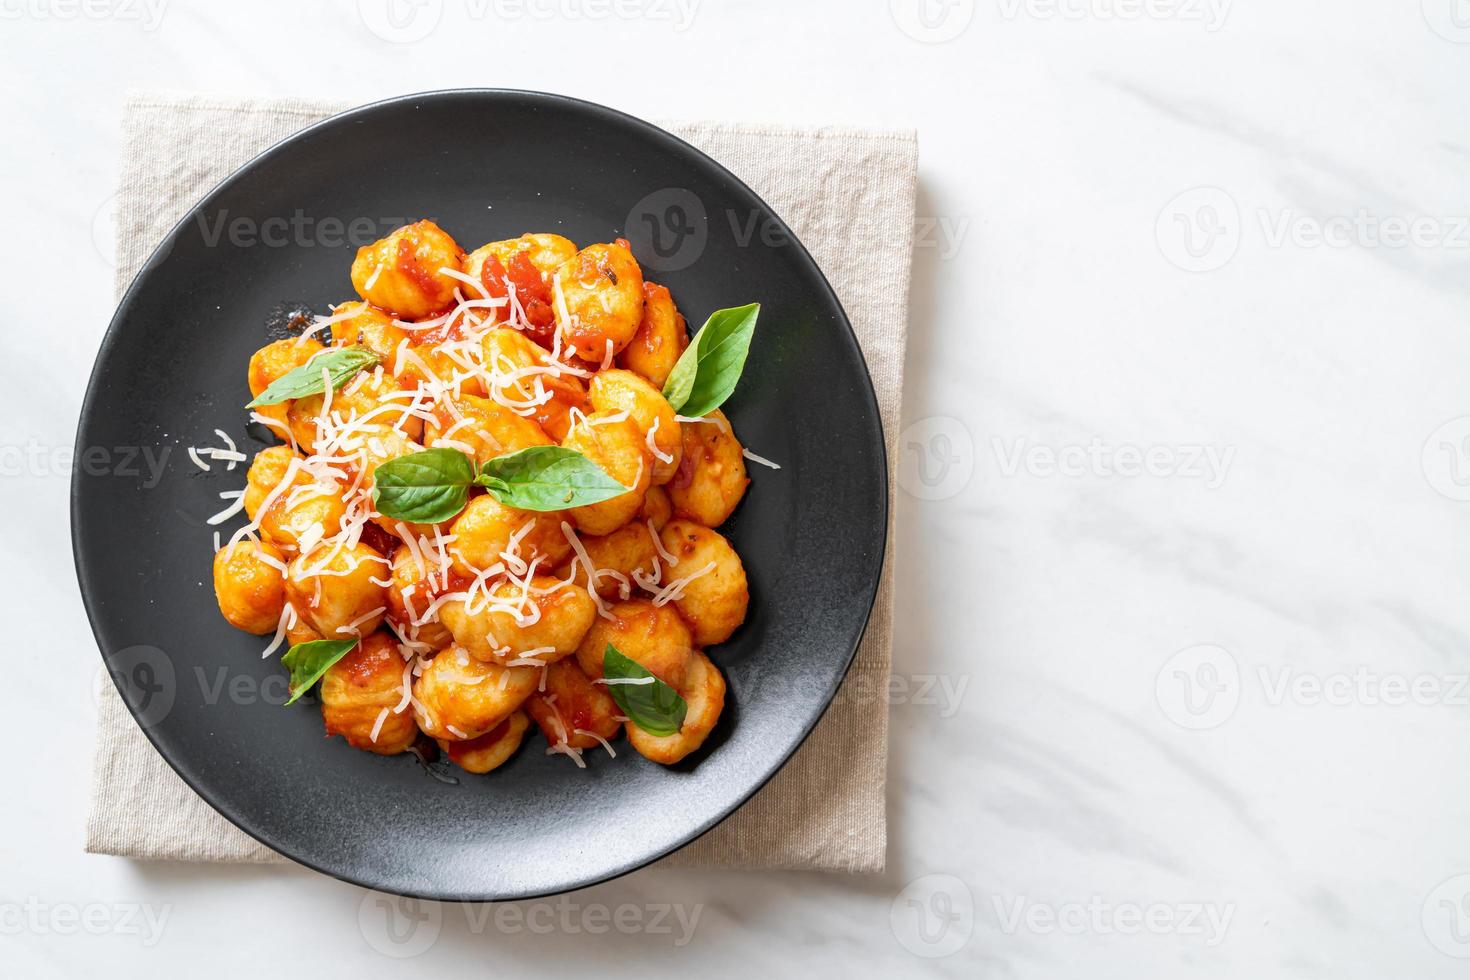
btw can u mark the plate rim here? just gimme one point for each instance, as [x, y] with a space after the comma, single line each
[649, 131]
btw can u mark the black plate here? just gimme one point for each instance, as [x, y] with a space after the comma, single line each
[487, 165]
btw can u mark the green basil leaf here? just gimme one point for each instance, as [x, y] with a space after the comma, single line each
[424, 487]
[654, 707]
[307, 662]
[341, 363]
[547, 478]
[710, 366]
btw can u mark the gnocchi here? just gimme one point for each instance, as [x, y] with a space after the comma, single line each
[613, 442]
[361, 698]
[573, 711]
[614, 391]
[601, 301]
[656, 637]
[714, 599]
[659, 340]
[508, 626]
[491, 750]
[703, 691]
[478, 606]
[250, 585]
[459, 697]
[711, 479]
[403, 274]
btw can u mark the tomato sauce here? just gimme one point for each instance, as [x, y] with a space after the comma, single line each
[408, 265]
[532, 292]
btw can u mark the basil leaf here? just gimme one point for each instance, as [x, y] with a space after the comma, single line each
[309, 661]
[340, 363]
[424, 487]
[654, 707]
[547, 478]
[433, 485]
[707, 371]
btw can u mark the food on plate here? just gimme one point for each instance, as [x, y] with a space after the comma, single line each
[494, 503]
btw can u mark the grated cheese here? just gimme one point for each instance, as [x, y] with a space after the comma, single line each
[605, 743]
[658, 545]
[662, 457]
[759, 459]
[238, 504]
[675, 589]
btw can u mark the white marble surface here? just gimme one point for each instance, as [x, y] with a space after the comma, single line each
[1205, 714]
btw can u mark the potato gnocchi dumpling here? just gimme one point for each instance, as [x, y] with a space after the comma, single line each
[370, 396]
[614, 391]
[602, 301]
[704, 692]
[411, 591]
[362, 698]
[522, 376]
[367, 326]
[573, 711]
[657, 509]
[286, 503]
[338, 594]
[544, 252]
[404, 273]
[618, 560]
[486, 492]
[714, 601]
[250, 585]
[711, 477]
[507, 626]
[462, 698]
[481, 428]
[656, 637]
[659, 340]
[421, 365]
[613, 442]
[520, 270]
[298, 630]
[272, 363]
[491, 750]
[487, 532]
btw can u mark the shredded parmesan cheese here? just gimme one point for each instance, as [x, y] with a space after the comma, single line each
[759, 459]
[238, 498]
[675, 589]
[658, 454]
[605, 743]
[658, 545]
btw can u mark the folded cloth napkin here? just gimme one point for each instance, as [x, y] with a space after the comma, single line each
[849, 196]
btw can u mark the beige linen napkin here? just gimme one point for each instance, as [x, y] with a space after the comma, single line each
[849, 196]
